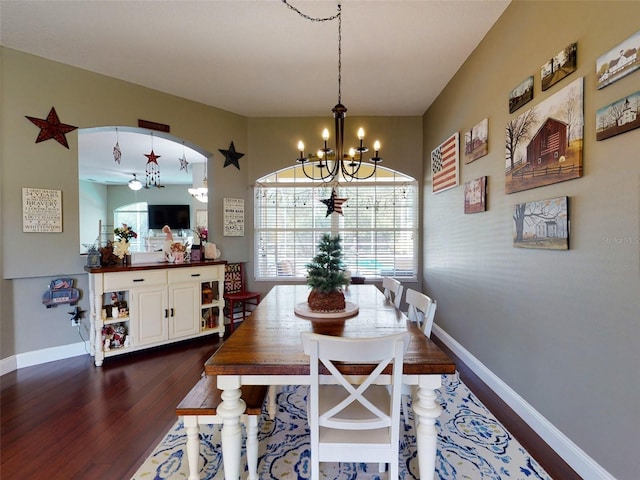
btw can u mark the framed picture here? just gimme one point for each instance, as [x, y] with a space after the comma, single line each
[445, 164]
[621, 60]
[559, 66]
[542, 224]
[475, 195]
[233, 217]
[41, 210]
[618, 117]
[544, 144]
[520, 95]
[476, 142]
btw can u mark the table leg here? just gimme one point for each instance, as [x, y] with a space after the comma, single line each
[427, 410]
[193, 445]
[252, 447]
[229, 410]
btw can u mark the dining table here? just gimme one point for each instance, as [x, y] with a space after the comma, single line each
[267, 350]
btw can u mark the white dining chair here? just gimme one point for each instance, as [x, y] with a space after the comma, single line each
[422, 310]
[354, 423]
[392, 290]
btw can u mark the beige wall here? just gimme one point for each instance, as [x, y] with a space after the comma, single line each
[31, 86]
[559, 327]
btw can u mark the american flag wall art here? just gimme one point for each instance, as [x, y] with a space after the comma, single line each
[445, 164]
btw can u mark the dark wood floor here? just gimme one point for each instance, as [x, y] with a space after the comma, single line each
[70, 420]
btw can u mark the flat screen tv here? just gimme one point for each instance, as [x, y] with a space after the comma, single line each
[176, 216]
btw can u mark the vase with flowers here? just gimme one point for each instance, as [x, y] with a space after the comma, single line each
[121, 247]
[199, 241]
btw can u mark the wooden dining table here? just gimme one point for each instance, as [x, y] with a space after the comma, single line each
[267, 350]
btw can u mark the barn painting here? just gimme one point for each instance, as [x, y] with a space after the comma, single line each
[542, 224]
[544, 144]
[476, 141]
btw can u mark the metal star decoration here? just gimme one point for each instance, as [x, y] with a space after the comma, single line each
[117, 153]
[333, 203]
[52, 128]
[231, 157]
[152, 157]
[183, 164]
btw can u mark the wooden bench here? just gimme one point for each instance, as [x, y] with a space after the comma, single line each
[199, 408]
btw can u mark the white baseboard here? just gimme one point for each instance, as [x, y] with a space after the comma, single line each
[582, 463]
[8, 364]
[28, 359]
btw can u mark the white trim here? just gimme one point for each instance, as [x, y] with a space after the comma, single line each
[582, 463]
[36, 357]
[8, 364]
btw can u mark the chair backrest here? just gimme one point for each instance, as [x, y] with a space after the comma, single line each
[379, 351]
[234, 278]
[392, 290]
[420, 306]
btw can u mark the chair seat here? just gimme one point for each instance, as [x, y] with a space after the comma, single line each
[241, 296]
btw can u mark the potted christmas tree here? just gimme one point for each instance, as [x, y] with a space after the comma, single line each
[325, 276]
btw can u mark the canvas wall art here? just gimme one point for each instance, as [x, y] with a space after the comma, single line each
[542, 224]
[544, 144]
[476, 141]
[621, 60]
[618, 117]
[445, 164]
[475, 195]
[521, 95]
[559, 66]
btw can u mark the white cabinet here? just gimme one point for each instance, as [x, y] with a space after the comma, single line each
[154, 305]
[183, 313]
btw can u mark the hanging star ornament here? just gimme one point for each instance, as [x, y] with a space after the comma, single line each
[231, 157]
[152, 157]
[183, 164]
[52, 128]
[117, 153]
[333, 203]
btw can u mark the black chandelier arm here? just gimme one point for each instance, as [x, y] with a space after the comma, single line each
[330, 172]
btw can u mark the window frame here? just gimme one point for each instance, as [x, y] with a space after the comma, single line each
[289, 185]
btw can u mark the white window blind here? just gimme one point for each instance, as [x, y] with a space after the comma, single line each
[378, 228]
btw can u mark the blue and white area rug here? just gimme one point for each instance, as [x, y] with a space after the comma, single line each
[472, 445]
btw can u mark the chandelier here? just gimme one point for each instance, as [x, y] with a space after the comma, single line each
[200, 192]
[333, 163]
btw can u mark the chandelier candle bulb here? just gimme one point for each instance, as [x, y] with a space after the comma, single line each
[361, 134]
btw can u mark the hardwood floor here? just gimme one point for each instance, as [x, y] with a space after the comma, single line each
[71, 420]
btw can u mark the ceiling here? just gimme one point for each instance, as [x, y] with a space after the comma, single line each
[258, 58]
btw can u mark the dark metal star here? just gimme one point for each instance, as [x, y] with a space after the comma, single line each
[334, 204]
[152, 157]
[52, 128]
[183, 164]
[231, 157]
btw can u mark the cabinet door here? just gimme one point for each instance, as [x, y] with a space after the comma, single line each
[151, 314]
[184, 308]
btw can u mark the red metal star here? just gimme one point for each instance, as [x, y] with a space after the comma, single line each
[153, 158]
[52, 128]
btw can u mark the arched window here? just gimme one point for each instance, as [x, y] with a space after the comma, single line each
[378, 227]
[134, 215]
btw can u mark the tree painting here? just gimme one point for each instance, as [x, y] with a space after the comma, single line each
[542, 224]
[544, 144]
